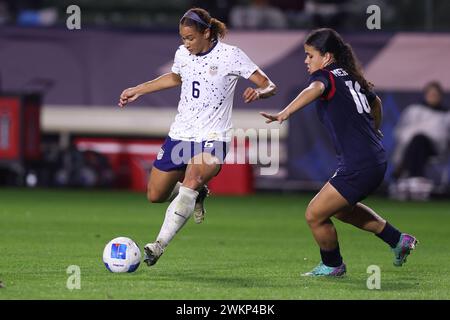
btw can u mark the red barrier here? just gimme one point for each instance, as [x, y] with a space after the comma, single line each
[233, 179]
[20, 134]
[132, 159]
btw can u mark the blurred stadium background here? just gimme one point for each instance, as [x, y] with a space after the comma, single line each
[76, 136]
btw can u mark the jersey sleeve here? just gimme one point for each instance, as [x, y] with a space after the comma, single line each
[176, 67]
[371, 96]
[327, 79]
[241, 65]
[322, 76]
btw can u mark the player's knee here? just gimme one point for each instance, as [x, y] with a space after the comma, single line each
[154, 196]
[311, 215]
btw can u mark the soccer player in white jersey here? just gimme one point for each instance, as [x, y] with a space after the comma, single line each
[207, 70]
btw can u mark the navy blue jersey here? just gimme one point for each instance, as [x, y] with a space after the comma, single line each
[344, 109]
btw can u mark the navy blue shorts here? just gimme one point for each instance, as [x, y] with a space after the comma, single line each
[355, 185]
[176, 154]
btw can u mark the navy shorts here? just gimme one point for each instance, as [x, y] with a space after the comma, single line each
[355, 185]
[176, 154]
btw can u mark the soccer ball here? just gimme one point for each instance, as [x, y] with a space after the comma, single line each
[122, 255]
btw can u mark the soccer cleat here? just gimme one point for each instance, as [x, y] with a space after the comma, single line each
[323, 270]
[152, 252]
[199, 209]
[405, 245]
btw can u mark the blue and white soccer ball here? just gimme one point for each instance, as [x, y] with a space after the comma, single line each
[122, 255]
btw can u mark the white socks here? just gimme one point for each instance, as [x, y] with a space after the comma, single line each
[178, 212]
[174, 193]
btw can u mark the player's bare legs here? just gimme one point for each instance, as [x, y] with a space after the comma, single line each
[164, 187]
[323, 206]
[329, 202]
[198, 172]
[161, 184]
[363, 217]
[202, 168]
[318, 213]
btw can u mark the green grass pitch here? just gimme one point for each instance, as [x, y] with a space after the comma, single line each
[251, 247]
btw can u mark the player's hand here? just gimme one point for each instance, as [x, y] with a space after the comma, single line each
[250, 95]
[127, 96]
[280, 117]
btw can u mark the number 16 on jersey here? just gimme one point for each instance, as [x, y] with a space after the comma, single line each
[360, 99]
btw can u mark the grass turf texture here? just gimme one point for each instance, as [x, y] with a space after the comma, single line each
[247, 248]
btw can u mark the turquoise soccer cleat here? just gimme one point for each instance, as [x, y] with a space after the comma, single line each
[323, 270]
[405, 245]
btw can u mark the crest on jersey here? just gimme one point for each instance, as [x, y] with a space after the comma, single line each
[213, 70]
[160, 154]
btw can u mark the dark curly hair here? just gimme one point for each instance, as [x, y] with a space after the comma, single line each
[327, 40]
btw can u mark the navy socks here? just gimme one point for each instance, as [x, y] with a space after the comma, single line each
[390, 235]
[331, 258]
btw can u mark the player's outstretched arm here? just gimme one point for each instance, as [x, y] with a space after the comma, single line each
[305, 97]
[168, 80]
[265, 89]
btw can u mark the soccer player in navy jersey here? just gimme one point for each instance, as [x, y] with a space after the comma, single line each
[352, 113]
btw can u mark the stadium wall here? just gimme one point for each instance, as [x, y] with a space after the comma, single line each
[81, 73]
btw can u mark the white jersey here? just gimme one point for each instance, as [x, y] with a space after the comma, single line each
[207, 91]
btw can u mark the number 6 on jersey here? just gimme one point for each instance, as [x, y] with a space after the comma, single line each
[195, 91]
